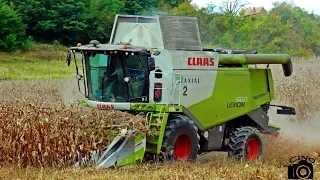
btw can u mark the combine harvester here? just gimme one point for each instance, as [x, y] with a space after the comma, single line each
[195, 99]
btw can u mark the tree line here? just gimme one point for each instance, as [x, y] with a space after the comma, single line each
[286, 28]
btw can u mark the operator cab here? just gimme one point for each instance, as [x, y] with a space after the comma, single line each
[117, 76]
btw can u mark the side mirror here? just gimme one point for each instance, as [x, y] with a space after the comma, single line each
[68, 59]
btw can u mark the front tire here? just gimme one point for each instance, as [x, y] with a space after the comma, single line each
[246, 143]
[181, 140]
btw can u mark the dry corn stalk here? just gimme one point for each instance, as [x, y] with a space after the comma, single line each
[31, 135]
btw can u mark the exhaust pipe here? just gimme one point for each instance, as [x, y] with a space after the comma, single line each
[284, 59]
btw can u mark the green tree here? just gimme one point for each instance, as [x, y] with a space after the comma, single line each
[185, 9]
[100, 16]
[286, 28]
[64, 21]
[31, 12]
[12, 31]
[50, 20]
[314, 38]
[135, 7]
[176, 3]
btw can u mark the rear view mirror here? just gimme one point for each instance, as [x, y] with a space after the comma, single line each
[68, 59]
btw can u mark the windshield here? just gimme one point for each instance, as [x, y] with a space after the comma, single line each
[106, 77]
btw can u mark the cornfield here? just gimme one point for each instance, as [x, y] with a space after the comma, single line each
[42, 126]
[37, 128]
[32, 135]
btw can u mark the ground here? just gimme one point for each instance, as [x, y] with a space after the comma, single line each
[299, 135]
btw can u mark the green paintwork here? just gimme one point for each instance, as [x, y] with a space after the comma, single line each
[136, 156]
[255, 86]
[230, 84]
[142, 107]
[150, 107]
[84, 102]
[157, 129]
[253, 59]
[253, 83]
[274, 126]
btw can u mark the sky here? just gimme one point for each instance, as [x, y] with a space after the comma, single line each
[308, 5]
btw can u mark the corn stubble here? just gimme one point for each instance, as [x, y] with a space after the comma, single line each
[38, 136]
[83, 128]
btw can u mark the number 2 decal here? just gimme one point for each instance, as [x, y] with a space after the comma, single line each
[185, 89]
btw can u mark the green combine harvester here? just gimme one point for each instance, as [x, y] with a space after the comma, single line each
[195, 99]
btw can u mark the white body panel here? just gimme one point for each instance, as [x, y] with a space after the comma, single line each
[196, 70]
[108, 105]
[196, 86]
[162, 63]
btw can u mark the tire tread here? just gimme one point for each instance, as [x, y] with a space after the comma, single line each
[238, 139]
[173, 124]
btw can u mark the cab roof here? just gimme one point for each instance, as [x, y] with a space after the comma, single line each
[95, 46]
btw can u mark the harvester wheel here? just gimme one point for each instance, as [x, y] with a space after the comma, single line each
[181, 140]
[246, 142]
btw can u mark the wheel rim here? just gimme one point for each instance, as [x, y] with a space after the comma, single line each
[182, 148]
[252, 149]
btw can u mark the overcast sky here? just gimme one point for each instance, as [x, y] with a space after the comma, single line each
[309, 5]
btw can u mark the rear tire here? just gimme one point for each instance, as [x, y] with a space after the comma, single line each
[246, 143]
[181, 140]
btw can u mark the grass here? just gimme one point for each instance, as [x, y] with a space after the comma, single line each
[35, 69]
[42, 61]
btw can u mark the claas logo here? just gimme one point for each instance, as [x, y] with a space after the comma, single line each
[193, 61]
[105, 106]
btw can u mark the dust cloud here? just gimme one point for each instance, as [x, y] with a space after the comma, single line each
[304, 132]
[301, 91]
